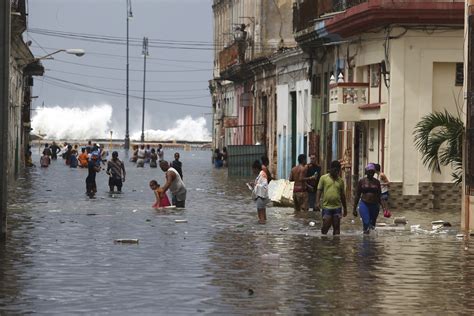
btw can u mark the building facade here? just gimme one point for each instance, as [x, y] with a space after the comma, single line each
[380, 66]
[247, 34]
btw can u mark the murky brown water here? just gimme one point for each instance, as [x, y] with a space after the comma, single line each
[60, 257]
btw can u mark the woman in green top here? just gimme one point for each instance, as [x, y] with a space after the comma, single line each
[331, 186]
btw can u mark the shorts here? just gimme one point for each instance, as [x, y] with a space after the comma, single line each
[312, 200]
[115, 182]
[176, 202]
[384, 196]
[91, 187]
[300, 199]
[331, 212]
[261, 202]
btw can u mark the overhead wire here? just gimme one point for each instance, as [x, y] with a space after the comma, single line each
[87, 88]
[120, 79]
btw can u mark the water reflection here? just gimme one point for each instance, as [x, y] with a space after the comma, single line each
[60, 256]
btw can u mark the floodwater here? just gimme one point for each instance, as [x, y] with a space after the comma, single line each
[60, 256]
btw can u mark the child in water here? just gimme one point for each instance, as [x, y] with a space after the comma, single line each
[161, 197]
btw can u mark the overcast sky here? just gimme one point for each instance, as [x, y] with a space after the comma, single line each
[175, 20]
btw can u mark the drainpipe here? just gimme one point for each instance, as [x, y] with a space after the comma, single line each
[4, 108]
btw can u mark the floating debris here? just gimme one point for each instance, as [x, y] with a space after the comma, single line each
[283, 229]
[180, 220]
[250, 292]
[400, 220]
[460, 236]
[312, 224]
[126, 241]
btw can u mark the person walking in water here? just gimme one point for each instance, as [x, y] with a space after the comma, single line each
[384, 185]
[141, 156]
[368, 197]
[54, 150]
[116, 172]
[331, 187]
[313, 174]
[160, 152]
[178, 165]
[298, 175]
[260, 191]
[153, 158]
[174, 183]
[94, 167]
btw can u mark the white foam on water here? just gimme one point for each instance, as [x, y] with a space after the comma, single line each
[186, 129]
[80, 123]
[73, 123]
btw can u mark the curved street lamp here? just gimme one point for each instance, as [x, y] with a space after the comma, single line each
[73, 51]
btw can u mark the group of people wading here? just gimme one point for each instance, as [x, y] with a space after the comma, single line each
[326, 192]
[94, 158]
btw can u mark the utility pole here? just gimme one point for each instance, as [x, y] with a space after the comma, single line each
[4, 105]
[127, 135]
[469, 135]
[145, 54]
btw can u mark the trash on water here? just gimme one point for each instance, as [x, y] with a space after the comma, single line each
[400, 220]
[438, 222]
[414, 227]
[148, 220]
[460, 236]
[283, 229]
[126, 241]
[312, 224]
[437, 226]
[134, 211]
[250, 292]
[271, 256]
[180, 220]
[352, 221]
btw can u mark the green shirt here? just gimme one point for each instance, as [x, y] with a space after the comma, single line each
[332, 191]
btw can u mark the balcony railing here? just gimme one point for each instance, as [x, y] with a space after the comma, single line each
[345, 99]
[307, 11]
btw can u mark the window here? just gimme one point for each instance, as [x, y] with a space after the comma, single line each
[374, 75]
[459, 74]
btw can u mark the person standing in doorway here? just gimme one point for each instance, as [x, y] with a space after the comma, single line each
[368, 197]
[116, 172]
[331, 188]
[298, 175]
[178, 165]
[312, 175]
[174, 183]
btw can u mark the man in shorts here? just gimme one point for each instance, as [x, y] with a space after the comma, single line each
[116, 172]
[334, 207]
[298, 175]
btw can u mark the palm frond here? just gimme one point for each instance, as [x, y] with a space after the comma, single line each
[438, 137]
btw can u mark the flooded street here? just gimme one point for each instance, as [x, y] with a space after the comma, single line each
[61, 258]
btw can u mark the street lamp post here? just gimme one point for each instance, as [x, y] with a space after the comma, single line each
[73, 51]
[145, 54]
[127, 136]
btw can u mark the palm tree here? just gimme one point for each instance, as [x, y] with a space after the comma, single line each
[438, 137]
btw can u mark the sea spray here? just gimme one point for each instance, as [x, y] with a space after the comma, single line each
[73, 123]
[187, 129]
[78, 123]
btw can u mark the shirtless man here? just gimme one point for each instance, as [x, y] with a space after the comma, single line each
[300, 194]
[174, 183]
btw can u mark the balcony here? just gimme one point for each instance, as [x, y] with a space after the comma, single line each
[356, 16]
[348, 102]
